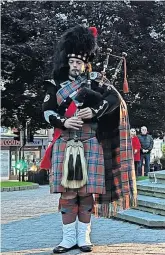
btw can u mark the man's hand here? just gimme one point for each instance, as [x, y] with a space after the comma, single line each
[144, 151]
[74, 123]
[85, 113]
[135, 151]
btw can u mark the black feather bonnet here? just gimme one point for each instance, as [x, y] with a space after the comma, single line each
[78, 42]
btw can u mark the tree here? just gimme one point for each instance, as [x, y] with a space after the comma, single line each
[30, 31]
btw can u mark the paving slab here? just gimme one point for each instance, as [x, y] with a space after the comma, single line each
[152, 202]
[151, 210]
[143, 218]
[146, 185]
[158, 176]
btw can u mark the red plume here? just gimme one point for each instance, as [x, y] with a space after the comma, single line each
[94, 31]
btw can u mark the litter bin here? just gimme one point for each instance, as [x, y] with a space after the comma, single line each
[41, 177]
[31, 176]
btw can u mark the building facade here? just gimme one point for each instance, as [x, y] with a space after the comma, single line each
[10, 148]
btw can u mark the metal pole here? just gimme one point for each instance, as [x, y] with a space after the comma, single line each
[21, 150]
[22, 143]
[20, 156]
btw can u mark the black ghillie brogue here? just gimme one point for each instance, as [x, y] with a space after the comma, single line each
[61, 249]
[86, 248]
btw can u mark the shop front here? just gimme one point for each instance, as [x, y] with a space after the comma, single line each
[31, 153]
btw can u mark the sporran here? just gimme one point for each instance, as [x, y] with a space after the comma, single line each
[74, 166]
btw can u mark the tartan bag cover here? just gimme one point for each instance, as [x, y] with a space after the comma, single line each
[123, 172]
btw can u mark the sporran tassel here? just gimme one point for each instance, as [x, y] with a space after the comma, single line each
[78, 169]
[70, 168]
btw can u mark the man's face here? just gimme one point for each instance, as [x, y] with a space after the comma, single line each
[133, 132]
[77, 67]
[144, 130]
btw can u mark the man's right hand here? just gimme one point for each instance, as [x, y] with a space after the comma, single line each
[145, 151]
[73, 123]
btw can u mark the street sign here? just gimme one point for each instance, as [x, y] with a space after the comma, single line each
[21, 165]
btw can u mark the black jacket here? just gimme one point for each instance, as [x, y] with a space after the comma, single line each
[105, 106]
[146, 142]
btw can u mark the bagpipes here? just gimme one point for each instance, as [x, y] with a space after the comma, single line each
[90, 97]
[102, 78]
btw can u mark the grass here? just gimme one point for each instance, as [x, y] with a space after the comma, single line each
[6, 184]
[141, 178]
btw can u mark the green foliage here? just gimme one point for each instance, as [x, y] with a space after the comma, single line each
[31, 29]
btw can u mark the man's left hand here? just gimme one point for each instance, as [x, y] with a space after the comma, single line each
[85, 113]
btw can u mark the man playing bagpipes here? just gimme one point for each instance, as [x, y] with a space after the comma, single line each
[91, 154]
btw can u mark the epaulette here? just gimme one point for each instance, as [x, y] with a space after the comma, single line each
[63, 84]
[49, 82]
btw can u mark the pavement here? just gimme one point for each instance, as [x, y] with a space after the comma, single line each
[31, 224]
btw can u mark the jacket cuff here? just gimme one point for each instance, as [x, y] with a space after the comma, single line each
[55, 119]
[57, 122]
[100, 109]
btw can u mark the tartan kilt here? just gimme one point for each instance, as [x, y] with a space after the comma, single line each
[93, 152]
